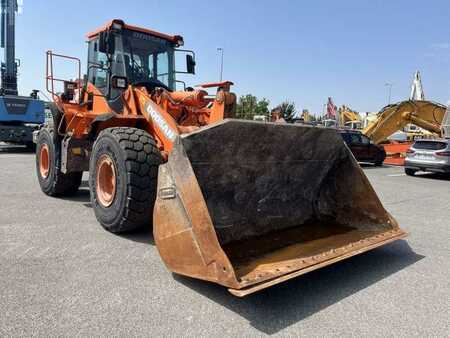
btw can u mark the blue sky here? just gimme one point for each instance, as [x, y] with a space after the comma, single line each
[303, 51]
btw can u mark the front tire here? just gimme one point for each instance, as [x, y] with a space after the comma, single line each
[123, 178]
[52, 181]
[410, 172]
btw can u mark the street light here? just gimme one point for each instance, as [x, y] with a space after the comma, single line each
[389, 85]
[220, 50]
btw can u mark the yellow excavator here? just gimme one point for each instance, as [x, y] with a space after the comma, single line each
[427, 115]
[349, 118]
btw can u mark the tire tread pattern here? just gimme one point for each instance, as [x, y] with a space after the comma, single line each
[142, 159]
[62, 184]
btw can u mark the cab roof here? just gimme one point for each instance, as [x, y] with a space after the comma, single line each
[177, 39]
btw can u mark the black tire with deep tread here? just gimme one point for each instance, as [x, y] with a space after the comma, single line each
[136, 159]
[56, 183]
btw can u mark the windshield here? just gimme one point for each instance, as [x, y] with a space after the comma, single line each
[430, 145]
[142, 58]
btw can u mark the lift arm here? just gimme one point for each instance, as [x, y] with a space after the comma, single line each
[173, 113]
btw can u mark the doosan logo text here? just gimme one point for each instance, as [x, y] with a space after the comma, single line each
[161, 123]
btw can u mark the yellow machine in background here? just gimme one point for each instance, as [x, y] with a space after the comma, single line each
[349, 118]
[424, 114]
[306, 116]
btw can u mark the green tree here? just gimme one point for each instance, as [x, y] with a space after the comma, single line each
[249, 106]
[262, 107]
[287, 110]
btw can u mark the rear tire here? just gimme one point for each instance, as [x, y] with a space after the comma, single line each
[410, 172]
[48, 157]
[123, 178]
[379, 159]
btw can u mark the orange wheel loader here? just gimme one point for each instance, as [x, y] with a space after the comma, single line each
[241, 203]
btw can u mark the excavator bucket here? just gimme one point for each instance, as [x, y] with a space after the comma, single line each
[248, 204]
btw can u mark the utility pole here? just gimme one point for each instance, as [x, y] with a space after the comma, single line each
[220, 50]
[389, 85]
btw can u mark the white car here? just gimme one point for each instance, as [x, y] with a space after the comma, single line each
[428, 155]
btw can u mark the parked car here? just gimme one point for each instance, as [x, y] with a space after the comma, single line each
[362, 147]
[428, 155]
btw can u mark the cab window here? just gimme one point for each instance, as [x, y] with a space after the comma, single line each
[101, 75]
[97, 67]
[162, 66]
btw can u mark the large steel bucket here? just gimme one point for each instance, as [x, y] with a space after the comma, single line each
[248, 204]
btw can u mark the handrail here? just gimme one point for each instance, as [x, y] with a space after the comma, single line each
[50, 79]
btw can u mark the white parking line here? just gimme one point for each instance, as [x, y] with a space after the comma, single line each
[395, 175]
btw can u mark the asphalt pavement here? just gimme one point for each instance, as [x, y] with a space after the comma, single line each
[61, 274]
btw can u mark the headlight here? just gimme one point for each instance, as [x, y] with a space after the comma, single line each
[117, 25]
[119, 82]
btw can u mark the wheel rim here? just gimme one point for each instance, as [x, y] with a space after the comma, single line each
[44, 161]
[105, 181]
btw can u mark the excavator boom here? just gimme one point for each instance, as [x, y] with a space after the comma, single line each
[425, 114]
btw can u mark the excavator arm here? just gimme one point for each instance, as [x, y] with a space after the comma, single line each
[424, 114]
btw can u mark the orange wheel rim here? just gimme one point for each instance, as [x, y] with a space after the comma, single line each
[44, 161]
[106, 180]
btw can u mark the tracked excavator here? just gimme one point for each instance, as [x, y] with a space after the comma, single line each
[241, 203]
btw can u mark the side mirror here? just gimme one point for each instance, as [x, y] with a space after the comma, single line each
[190, 64]
[106, 43]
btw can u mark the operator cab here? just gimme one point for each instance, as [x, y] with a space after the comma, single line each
[120, 54]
